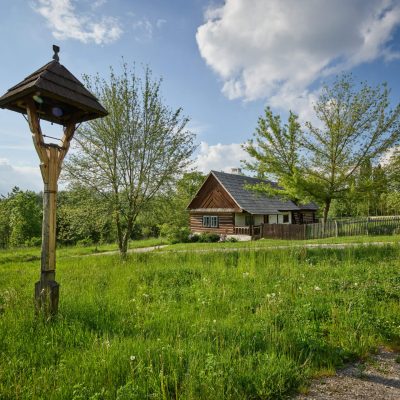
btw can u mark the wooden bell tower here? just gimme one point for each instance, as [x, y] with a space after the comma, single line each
[53, 94]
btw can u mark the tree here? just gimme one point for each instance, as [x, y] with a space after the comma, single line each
[276, 154]
[355, 125]
[167, 213]
[5, 228]
[134, 153]
[83, 216]
[20, 218]
[392, 170]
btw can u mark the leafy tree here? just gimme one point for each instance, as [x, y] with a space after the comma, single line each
[5, 228]
[356, 125]
[83, 216]
[392, 170]
[20, 217]
[134, 153]
[167, 211]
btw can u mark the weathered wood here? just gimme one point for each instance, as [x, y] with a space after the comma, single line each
[213, 195]
[284, 231]
[51, 157]
[226, 223]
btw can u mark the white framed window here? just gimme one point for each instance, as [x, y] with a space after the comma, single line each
[210, 221]
[284, 218]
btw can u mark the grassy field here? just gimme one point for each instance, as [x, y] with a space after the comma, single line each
[27, 254]
[229, 325]
[279, 242]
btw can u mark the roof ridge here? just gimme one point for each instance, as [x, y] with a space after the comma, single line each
[246, 176]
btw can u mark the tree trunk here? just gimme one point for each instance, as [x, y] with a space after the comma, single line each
[326, 209]
[120, 235]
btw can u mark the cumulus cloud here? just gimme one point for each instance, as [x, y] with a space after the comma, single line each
[66, 23]
[220, 157]
[276, 49]
[25, 177]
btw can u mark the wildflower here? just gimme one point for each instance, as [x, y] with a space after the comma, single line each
[133, 358]
[214, 321]
[317, 288]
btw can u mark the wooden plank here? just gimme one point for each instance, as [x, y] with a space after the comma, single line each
[213, 195]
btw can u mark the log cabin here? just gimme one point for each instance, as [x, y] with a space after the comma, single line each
[224, 204]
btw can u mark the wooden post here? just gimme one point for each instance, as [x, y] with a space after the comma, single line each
[51, 157]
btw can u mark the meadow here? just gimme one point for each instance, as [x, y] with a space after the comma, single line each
[252, 324]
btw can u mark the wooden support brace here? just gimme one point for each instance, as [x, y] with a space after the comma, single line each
[51, 157]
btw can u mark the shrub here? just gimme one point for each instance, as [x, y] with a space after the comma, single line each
[175, 234]
[209, 237]
[193, 238]
[85, 242]
[33, 242]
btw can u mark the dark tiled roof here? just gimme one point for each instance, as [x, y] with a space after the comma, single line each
[255, 202]
[55, 84]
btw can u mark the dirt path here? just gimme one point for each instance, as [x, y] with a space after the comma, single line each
[376, 379]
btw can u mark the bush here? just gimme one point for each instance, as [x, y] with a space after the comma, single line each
[193, 238]
[175, 234]
[209, 237]
[33, 242]
[85, 242]
[231, 240]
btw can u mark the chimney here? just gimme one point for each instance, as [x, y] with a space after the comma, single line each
[236, 171]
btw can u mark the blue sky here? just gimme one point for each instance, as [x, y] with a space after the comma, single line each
[222, 61]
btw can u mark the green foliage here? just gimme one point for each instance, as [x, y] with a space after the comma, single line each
[35, 241]
[20, 218]
[209, 237]
[321, 162]
[83, 215]
[231, 240]
[211, 325]
[175, 234]
[134, 153]
[276, 154]
[169, 207]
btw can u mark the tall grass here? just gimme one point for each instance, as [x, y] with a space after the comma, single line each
[233, 325]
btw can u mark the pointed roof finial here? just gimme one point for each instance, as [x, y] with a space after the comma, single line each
[56, 49]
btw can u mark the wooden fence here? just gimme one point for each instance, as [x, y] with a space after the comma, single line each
[283, 231]
[387, 225]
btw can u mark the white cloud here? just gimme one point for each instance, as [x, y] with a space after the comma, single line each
[25, 177]
[160, 22]
[97, 3]
[276, 49]
[220, 157]
[143, 30]
[386, 157]
[66, 23]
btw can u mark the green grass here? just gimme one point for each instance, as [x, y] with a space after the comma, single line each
[33, 253]
[229, 325]
[279, 242]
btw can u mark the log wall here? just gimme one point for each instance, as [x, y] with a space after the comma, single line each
[226, 223]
